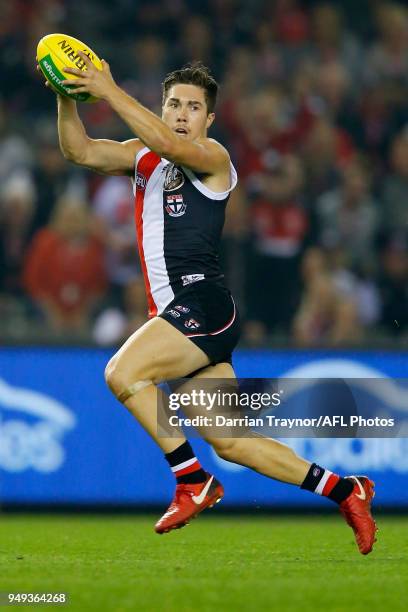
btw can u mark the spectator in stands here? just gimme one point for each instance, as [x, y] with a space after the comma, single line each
[115, 324]
[239, 81]
[51, 175]
[332, 42]
[196, 41]
[393, 283]
[357, 285]
[348, 215]
[269, 58]
[64, 273]
[279, 227]
[17, 201]
[387, 59]
[394, 214]
[113, 206]
[322, 156]
[149, 65]
[336, 101]
[264, 129]
[325, 316]
[15, 151]
[292, 23]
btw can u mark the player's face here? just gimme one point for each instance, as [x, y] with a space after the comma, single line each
[185, 111]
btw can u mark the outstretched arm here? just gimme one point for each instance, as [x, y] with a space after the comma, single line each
[105, 156]
[204, 155]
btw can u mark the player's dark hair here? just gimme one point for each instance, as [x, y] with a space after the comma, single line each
[193, 74]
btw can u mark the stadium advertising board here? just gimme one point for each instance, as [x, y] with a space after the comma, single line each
[65, 439]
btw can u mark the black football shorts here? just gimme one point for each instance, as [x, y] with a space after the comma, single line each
[205, 312]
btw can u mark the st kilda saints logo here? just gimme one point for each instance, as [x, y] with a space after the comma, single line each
[174, 178]
[192, 324]
[175, 206]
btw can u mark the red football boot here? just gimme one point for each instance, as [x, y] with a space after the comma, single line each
[356, 509]
[190, 500]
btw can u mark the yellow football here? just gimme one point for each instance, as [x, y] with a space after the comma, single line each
[58, 51]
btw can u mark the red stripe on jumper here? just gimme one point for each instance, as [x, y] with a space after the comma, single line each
[145, 166]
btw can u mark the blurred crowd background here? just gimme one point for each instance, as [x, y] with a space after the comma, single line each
[314, 111]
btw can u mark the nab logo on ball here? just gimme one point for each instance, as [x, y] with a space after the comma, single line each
[175, 206]
[140, 181]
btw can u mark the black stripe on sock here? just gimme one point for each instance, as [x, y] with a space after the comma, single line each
[192, 478]
[313, 477]
[341, 490]
[183, 453]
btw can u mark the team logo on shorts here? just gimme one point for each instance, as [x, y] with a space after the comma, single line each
[173, 313]
[191, 324]
[140, 181]
[174, 178]
[175, 205]
[182, 309]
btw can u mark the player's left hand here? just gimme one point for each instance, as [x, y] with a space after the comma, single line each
[98, 83]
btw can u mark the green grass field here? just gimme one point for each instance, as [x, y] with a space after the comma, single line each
[217, 563]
